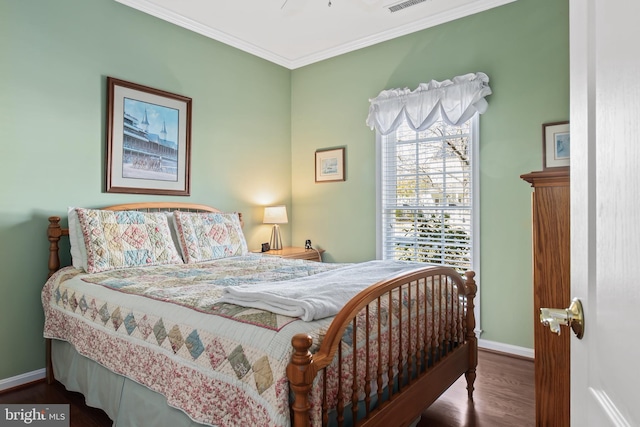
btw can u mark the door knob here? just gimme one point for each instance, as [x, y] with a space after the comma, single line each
[571, 316]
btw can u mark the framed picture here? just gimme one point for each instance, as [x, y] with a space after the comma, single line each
[330, 165]
[148, 140]
[556, 145]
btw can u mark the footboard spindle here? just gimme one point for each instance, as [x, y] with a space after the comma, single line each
[422, 341]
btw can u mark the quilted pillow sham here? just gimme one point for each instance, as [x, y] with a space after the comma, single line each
[208, 236]
[122, 239]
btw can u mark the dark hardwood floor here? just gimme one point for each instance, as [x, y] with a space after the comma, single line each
[503, 397]
[40, 392]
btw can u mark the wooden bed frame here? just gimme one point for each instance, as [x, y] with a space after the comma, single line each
[436, 365]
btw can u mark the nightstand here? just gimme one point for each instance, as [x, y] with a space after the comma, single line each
[297, 253]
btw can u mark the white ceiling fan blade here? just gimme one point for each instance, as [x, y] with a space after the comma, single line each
[293, 7]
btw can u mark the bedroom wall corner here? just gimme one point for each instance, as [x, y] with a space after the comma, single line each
[524, 49]
[55, 60]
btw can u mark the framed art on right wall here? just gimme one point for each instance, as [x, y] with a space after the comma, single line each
[556, 145]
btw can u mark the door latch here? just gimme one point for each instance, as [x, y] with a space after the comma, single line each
[571, 316]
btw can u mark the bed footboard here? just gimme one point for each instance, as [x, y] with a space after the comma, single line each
[398, 342]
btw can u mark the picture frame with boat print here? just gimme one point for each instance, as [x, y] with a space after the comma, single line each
[330, 165]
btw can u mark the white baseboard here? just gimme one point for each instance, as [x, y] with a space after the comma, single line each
[507, 348]
[22, 379]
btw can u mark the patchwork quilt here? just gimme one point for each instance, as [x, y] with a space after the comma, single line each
[164, 327]
[220, 363]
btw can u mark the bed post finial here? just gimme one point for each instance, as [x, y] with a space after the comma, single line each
[54, 231]
[471, 290]
[301, 372]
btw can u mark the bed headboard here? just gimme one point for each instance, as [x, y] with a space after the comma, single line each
[55, 232]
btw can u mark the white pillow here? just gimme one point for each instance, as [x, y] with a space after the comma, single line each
[174, 233]
[78, 249]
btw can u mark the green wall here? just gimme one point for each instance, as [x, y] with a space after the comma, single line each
[524, 49]
[255, 129]
[55, 57]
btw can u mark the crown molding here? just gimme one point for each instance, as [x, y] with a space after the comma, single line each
[212, 33]
[189, 24]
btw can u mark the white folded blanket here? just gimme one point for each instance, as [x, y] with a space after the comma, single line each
[318, 296]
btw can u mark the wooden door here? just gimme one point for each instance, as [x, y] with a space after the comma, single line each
[551, 288]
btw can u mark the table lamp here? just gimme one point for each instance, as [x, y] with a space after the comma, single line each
[275, 215]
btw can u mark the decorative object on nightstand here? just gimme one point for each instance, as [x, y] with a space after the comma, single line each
[275, 215]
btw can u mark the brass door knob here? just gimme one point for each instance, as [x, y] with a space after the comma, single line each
[571, 316]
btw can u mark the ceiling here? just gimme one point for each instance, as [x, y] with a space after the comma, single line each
[295, 33]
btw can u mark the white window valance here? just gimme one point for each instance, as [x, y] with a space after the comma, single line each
[455, 101]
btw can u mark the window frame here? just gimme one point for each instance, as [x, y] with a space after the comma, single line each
[474, 135]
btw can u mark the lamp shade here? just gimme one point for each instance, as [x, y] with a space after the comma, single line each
[275, 215]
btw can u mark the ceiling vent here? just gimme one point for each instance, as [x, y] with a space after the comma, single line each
[403, 5]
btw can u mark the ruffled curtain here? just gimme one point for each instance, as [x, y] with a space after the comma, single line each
[455, 101]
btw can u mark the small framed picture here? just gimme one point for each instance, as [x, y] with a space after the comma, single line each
[556, 145]
[330, 165]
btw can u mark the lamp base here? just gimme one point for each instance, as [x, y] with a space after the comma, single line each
[276, 240]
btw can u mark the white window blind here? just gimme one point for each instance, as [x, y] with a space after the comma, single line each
[426, 194]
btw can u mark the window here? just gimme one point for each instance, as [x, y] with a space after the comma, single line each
[427, 151]
[427, 148]
[426, 194]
